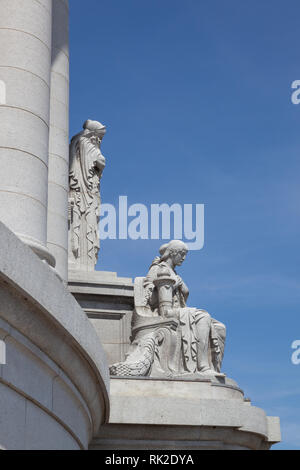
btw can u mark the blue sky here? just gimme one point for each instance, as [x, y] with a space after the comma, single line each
[196, 97]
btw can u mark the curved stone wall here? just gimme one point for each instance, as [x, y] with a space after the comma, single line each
[54, 386]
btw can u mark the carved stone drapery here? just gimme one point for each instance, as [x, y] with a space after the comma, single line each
[86, 166]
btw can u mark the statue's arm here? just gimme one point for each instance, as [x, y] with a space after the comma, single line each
[183, 288]
[185, 291]
[149, 286]
[100, 163]
[152, 274]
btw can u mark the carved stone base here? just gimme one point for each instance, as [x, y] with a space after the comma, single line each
[107, 299]
[185, 414]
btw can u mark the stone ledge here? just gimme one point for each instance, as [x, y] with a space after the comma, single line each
[141, 437]
[98, 277]
[179, 414]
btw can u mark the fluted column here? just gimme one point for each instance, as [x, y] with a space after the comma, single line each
[59, 139]
[25, 66]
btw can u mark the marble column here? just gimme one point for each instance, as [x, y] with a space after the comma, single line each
[25, 69]
[57, 236]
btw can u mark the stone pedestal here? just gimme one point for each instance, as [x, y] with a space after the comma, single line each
[184, 414]
[108, 301]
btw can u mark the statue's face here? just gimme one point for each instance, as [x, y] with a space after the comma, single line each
[178, 257]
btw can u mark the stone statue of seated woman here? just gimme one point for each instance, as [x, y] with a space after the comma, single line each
[168, 338]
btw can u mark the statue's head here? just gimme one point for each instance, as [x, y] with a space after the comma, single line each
[94, 130]
[85, 152]
[176, 250]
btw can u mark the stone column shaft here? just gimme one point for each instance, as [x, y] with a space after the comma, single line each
[25, 66]
[57, 236]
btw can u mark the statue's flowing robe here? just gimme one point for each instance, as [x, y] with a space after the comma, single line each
[188, 320]
[84, 190]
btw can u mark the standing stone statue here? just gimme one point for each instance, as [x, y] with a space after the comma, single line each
[86, 166]
[168, 338]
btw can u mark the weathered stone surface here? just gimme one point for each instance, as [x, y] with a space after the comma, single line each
[12, 419]
[55, 362]
[44, 432]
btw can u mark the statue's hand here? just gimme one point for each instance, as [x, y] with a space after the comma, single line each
[179, 283]
[100, 163]
[172, 313]
[182, 287]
